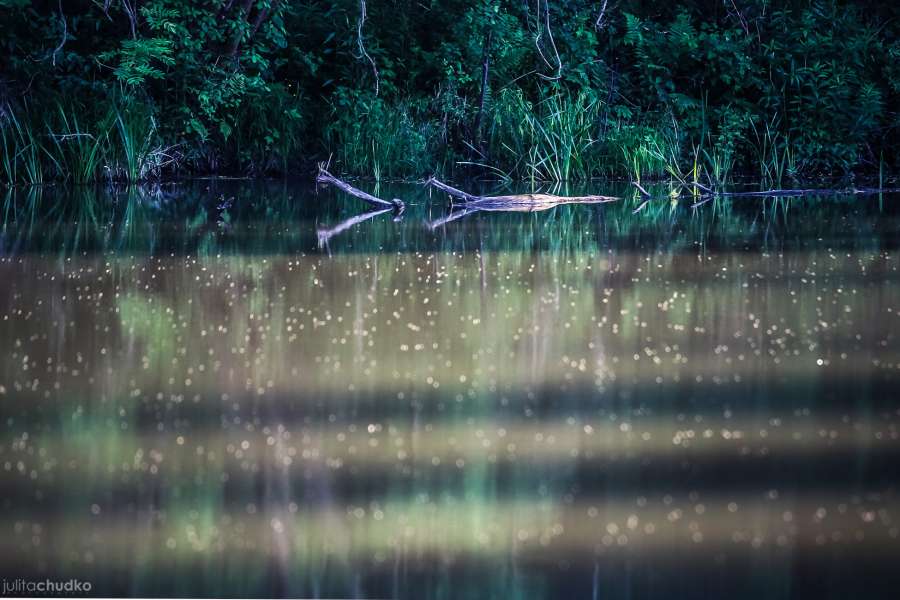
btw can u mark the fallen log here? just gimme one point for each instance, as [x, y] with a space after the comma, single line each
[506, 203]
[517, 202]
[327, 178]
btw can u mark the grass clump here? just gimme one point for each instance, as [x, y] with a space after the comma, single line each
[384, 140]
[116, 143]
[556, 138]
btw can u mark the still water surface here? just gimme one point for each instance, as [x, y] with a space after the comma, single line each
[230, 389]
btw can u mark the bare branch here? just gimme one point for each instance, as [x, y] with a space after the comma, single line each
[641, 189]
[537, 43]
[740, 17]
[65, 33]
[598, 24]
[450, 190]
[359, 39]
[131, 10]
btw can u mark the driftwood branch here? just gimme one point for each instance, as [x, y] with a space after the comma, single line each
[326, 177]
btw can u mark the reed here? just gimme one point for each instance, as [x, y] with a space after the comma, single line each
[72, 143]
[774, 154]
[24, 155]
[555, 139]
[140, 155]
[77, 152]
[647, 153]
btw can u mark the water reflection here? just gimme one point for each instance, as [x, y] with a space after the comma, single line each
[199, 400]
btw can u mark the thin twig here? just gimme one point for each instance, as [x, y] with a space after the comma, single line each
[65, 136]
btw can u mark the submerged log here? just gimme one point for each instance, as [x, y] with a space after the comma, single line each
[517, 202]
[326, 177]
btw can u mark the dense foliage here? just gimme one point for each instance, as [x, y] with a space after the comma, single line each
[568, 89]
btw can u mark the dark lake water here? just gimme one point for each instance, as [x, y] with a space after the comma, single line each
[226, 388]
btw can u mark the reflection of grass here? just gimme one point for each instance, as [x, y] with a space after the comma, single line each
[314, 536]
[100, 449]
[146, 319]
[267, 218]
[24, 157]
[304, 328]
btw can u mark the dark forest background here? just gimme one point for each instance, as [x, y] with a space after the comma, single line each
[523, 89]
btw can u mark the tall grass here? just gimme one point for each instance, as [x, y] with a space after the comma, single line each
[79, 145]
[554, 139]
[24, 156]
[78, 153]
[774, 154]
[137, 152]
[647, 153]
[370, 136]
[134, 137]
